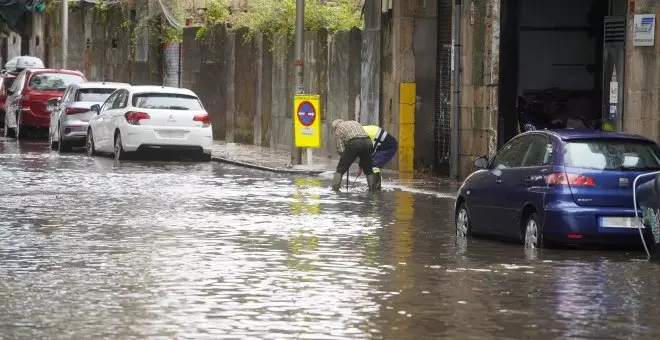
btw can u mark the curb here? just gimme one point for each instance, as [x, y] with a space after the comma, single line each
[266, 168]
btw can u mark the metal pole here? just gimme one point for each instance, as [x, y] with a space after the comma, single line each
[300, 86]
[65, 32]
[456, 113]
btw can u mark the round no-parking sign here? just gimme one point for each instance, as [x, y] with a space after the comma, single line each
[306, 113]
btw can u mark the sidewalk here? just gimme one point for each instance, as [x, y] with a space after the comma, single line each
[267, 159]
[277, 161]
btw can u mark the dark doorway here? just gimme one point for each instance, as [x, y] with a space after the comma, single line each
[551, 65]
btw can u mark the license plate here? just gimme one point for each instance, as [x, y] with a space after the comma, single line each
[620, 222]
[171, 134]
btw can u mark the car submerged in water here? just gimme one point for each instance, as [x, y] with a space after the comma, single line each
[558, 187]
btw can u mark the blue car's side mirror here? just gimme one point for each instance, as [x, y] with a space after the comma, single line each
[481, 162]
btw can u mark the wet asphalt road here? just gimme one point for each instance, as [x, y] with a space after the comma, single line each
[173, 250]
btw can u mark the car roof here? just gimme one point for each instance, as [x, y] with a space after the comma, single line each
[98, 84]
[574, 134]
[53, 70]
[161, 89]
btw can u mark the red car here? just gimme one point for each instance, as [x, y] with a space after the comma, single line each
[6, 80]
[27, 99]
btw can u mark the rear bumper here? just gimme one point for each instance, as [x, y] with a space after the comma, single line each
[74, 130]
[580, 225]
[138, 138]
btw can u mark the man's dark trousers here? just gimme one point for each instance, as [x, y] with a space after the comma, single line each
[357, 147]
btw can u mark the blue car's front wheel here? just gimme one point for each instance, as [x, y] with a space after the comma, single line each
[462, 221]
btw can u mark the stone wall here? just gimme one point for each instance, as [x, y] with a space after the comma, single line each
[642, 79]
[479, 81]
[246, 82]
[103, 45]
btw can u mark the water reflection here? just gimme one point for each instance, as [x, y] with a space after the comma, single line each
[192, 250]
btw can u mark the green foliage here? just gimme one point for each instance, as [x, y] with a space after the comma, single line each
[102, 8]
[171, 34]
[278, 16]
[217, 11]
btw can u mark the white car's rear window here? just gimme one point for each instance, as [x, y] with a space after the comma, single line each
[98, 95]
[166, 101]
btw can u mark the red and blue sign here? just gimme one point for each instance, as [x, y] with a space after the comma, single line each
[306, 113]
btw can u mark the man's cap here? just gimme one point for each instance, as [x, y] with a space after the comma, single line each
[336, 122]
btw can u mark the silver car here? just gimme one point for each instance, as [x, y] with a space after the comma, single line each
[70, 114]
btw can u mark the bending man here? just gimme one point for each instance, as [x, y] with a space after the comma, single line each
[384, 148]
[352, 142]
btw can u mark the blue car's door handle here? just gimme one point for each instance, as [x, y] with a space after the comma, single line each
[498, 181]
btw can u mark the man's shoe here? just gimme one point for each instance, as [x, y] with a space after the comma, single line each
[336, 181]
[371, 181]
[377, 181]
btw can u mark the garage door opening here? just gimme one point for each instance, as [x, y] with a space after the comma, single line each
[558, 59]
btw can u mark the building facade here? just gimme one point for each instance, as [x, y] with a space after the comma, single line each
[559, 58]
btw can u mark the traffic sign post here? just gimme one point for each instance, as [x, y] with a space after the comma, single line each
[307, 123]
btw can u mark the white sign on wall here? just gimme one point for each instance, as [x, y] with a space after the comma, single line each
[644, 30]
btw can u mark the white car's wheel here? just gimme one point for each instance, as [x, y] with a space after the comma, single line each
[120, 154]
[91, 148]
[62, 145]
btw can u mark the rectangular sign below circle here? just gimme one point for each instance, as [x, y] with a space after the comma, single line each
[643, 30]
[307, 120]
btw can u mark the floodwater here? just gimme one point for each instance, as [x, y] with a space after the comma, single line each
[172, 250]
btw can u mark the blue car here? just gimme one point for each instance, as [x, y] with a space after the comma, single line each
[561, 186]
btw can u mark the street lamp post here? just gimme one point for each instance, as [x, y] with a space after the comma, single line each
[300, 86]
[65, 32]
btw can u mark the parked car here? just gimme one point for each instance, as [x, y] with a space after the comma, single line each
[562, 186]
[150, 117]
[6, 80]
[70, 114]
[27, 98]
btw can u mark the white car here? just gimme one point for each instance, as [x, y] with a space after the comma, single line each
[70, 115]
[139, 118]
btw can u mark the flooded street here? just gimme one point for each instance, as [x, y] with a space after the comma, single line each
[180, 250]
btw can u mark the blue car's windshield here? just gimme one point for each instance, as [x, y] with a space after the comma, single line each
[617, 155]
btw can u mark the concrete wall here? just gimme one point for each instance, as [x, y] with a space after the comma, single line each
[479, 64]
[103, 44]
[642, 83]
[247, 84]
[425, 49]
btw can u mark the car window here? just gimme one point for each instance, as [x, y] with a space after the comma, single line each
[98, 95]
[510, 156]
[539, 152]
[120, 101]
[108, 102]
[67, 95]
[619, 155]
[53, 81]
[17, 85]
[166, 101]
